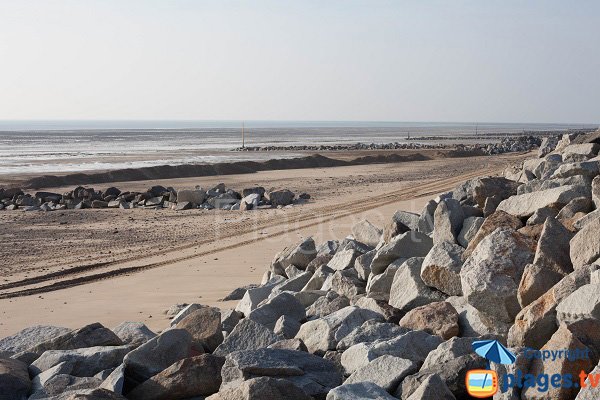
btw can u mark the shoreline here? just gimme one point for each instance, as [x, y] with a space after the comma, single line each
[326, 156]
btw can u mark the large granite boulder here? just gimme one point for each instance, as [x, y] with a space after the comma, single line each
[247, 335]
[157, 354]
[490, 277]
[314, 375]
[190, 377]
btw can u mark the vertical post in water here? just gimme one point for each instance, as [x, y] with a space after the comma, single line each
[243, 138]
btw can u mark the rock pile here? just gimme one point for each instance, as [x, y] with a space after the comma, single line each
[157, 197]
[488, 144]
[383, 314]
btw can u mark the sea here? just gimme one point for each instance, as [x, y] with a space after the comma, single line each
[43, 147]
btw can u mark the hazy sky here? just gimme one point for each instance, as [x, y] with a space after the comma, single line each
[500, 61]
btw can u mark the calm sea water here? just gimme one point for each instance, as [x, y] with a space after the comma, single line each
[39, 147]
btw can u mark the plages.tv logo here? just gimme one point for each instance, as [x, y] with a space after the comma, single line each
[483, 383]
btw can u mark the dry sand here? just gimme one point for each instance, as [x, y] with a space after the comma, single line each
[73, 267]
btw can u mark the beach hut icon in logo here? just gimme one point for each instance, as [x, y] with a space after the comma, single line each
[482, 383]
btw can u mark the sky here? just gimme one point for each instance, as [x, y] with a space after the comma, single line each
[455, 61]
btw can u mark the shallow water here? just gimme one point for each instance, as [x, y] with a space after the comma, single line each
[37, 147]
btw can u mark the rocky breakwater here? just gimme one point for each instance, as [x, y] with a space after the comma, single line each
[157, 197]
[489, 145]
[386, 313]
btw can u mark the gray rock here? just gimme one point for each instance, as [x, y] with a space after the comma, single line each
[191, 196]
[289, 344]
[343, 259]
[553, 247]
[413, 346]
[432, 387]
[185, 311]
[317, 280]
[540, 216]
[314, 375]
[585, 246]
[583, 303]
[596, 192]
[476, 191]
[448, 221]
[426, 218]
[30, 337]
[85, 362]
[262, 388]
[238, 293]
[385, 371]
[308, 297]
[88, 336]
[402, 221]
[326, 305]
[390, 314]
[64, 386]
[180, 206]
[366, 232]
[324, 333]
[229, 319]
[133, 333]
[362, 264]
[583, 221]
[251, 201]
[294, 284]
[270, 311]
[587, 149]
[247, 335]
[536, 281]
[292, 271]
[576, 206]
[345, 283]
[441, 268]
[359, 391]
[280, 197]
[535, 324]
[328, 248]
[371, 331]
[588, 169]
[499, 219]
[253, 297]
[525, 205]
[190, 377]
[548, 145]
[115, 381]
[300, 255]
[408, 290]
[379, 286]
[157, 354]
[491, 275]
[14, 380]
[286, 326]
[470, 227]
[473, 323]
[406, 245]
[204, 325]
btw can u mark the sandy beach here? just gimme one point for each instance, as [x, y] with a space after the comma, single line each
[74, 267]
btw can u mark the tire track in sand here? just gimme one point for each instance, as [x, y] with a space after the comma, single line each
[90, 273]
